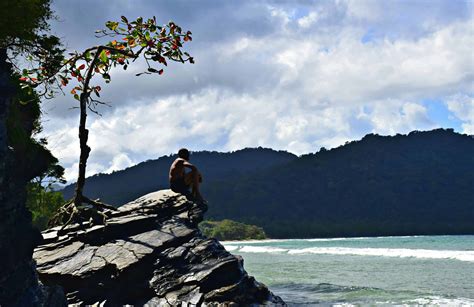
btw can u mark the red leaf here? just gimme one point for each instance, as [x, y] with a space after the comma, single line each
[98, 88]
[82, 67]
[160, 72]
[22, 79]
[73, 74]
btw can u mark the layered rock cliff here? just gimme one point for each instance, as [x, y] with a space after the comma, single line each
[150, 251]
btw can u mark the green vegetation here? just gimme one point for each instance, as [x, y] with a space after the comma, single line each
[231, 230]
[36, 161]
[420, 183]
[43, 203]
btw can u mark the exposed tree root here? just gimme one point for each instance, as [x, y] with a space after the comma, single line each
[92, 211]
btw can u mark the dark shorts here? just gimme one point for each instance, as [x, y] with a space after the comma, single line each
[179, 186]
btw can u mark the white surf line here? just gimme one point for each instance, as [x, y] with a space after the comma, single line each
[467, 256]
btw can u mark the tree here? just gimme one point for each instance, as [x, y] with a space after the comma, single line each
[136, 39]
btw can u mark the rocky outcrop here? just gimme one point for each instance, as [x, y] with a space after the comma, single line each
[18, 281]
[149, 252]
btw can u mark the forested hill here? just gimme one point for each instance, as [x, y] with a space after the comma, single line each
[123, 186]
[421, 183]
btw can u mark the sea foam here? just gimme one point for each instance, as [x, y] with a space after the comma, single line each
[381, 252]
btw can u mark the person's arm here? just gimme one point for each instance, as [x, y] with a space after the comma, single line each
[193, 168]
[189, 165]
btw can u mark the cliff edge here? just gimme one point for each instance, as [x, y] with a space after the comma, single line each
[151, 252]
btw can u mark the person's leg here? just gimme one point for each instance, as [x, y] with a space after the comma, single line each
[192, 179]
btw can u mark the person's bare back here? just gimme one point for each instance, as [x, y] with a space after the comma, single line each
[180, 181]
[177, 169]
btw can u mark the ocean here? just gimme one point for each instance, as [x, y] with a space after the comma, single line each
[404, 270]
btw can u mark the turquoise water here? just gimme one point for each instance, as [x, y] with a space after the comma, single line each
[415, 270]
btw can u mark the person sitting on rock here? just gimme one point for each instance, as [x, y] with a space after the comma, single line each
[180, 181]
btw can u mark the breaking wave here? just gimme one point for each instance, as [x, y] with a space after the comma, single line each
[381, 252]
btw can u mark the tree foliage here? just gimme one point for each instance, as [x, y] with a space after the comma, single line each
[23, 35]
[23, 19]
[133, 40]
[231, 230]
[43, 202]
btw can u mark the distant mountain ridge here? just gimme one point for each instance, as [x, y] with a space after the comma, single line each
[420, 183]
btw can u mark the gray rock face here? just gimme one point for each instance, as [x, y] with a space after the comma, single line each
[151, 253]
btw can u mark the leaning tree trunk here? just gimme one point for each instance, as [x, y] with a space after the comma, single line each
[71, 211]
[85, 150]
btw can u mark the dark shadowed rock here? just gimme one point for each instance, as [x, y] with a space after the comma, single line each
[19, 284]
[150, 252]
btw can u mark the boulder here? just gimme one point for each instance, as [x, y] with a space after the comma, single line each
[150, 252]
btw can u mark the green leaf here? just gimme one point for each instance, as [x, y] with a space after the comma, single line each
[76, 96]
[108, 24]
[124, 19]
[103, 56]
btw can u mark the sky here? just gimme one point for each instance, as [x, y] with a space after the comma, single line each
[291, 75]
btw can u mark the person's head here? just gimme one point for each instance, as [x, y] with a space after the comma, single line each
[184, 154]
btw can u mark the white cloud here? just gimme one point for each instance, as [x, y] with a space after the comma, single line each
[120, 162]
[462, 106]
[351, 71]
[309, 20]
[393, 116]
[266, 77]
